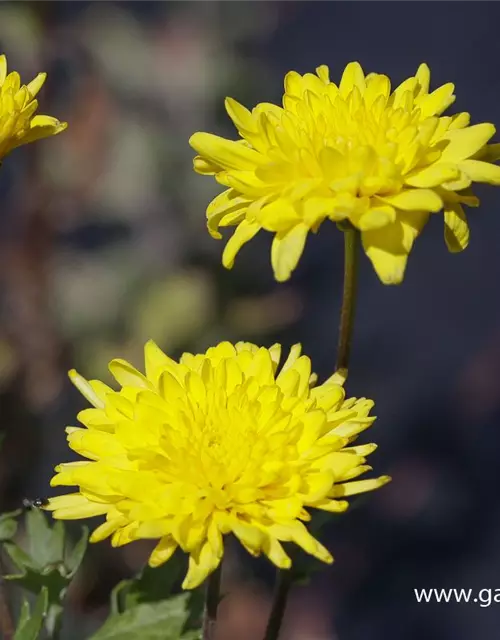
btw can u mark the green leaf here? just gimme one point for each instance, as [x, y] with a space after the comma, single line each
[8, 529]
[34, 580]
[155, 585]
[8, 525]
[53, 618]
[162, 620]
[192, 635]
[30, 624]
[46, 543]
[49, 563]
[196, 604]
[119, 595]
[152, 585]
[19, 557]
[48, 549]
[24, 614]
[73, 556]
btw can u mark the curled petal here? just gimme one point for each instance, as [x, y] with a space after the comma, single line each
[456, 229]
[245, 231]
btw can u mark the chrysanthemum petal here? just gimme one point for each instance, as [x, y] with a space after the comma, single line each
[388, 248]
[226, 203]
[251, 536]
[489, 153]
[479, 171]
[275, 552]
[124, 535]
[423, 77]
[163, 551]
[286, 251]
[3, 69]
[353, 76]
[279, 216]
[275, 353]
[156, 362]
[36, 84]
[85, 388]
[323, 73]
[204, 167]
[75, 506]
[435, 103]
[456, 229]
[464, 143]
[376, 86]
[354, 152]
[332, 506]
[293, 84]
[376, 217]
[433, 176]
[245, 231]
[362, 449]
[221, 442]
[40, 127]
[328, 395]
[201, 565]
[240, 115]
[360, 486]
[94, 444]
[227, 154]
[106, 529]
[415, 200]
[126, 375]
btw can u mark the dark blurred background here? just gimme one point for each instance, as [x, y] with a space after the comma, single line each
[103, 245]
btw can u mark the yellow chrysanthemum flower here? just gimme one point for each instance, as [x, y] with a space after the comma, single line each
[384, 161]
[18, 122]
[217, 443]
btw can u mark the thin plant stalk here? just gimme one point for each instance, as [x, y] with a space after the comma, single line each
[351, 250]
[351, 247]
[284, 581]
[212, 599]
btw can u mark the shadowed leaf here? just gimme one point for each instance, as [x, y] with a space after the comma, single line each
[162, 620]
[31, 623]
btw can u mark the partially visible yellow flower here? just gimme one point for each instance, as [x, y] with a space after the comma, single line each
[218, 443]
[18, 122]
[384, 161]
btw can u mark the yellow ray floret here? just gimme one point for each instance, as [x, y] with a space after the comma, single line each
[18, 122]
[217, 443]
[357, 151]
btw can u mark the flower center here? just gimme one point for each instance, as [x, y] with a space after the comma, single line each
[215, 449]
[347, 145]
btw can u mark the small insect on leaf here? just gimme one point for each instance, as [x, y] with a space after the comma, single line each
[36, 503]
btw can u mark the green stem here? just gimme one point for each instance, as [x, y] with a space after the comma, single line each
[283, 583]
[351, 245]
[211, 604]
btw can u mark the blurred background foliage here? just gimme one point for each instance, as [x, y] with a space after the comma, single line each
[103, 246]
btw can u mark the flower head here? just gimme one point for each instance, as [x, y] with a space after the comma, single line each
[384, 161]
[217, 443]
[18, 122]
